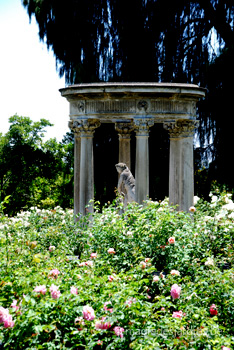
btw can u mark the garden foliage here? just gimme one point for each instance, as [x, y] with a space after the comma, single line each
[34, 172]
[150, 278]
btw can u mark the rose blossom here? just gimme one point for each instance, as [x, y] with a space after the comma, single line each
[54, 273]
[3, 314]
[93, 255]
[175, 291]
[8, 322]
[119, 331]
[155, 278]
[225, 348]
[175, 272]
[111, 251]
[40, 289]
[171, 240]
[192, 209]
[102, 324]
[143, 264]
[105, 307]
[55, 293]
[51, 248]
[74, 290]
[14, 305]
[110, 278]
[213, 310]
[6, 318]
[178, 314]
[88, 313]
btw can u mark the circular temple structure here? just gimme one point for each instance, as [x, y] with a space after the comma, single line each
[134, 107]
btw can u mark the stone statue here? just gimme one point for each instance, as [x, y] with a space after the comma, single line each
[126, 183]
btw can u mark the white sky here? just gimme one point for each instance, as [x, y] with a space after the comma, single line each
[29, 82]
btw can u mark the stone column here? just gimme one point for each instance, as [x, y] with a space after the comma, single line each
[181, 172]
[142, 126]
[83, 161]
[74, 126]
[124, 131]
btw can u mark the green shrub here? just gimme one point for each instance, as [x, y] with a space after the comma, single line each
[122, 266]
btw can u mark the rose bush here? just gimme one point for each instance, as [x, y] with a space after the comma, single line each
[150, 278]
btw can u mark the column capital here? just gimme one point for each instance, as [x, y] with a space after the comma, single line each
[124, 130]
[84, 127]
[142, 125]
[181, 128]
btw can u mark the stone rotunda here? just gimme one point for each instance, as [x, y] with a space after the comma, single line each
[134, 108]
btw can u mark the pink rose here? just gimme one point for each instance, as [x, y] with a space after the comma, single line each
[88, 313]
[178, 314]
[119, 331]
[110, 278]
[74, 290]
[175, 291]
[54, 290]
[14, 305]
[93, 255]
[3, 314]
[40, 289]
[225, 348]
[54, 273]
[171, 240]
[8, 322]
[6, 318]
[155, 278]
[51, 248]
[102, 324]
[111, 251]
[105, 307]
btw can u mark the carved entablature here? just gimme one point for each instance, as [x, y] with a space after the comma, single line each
[114, 108]
[181, 128]
[124, 129]
[173, 107]
[102, 107]
[142, 125]
[84, 127]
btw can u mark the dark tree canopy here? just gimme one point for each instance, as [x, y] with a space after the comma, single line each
[137, 40]
[151, 40]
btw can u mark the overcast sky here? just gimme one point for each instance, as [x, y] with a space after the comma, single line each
[29, 82]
